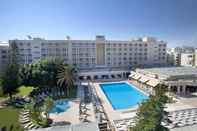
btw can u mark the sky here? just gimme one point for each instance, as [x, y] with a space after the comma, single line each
[174, 21]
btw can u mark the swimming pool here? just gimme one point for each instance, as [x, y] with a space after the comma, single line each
[122, 95]
[60, 106]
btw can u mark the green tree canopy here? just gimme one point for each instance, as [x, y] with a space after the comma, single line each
[41, 73]
[151, 112]
[66, 77]
[47, 106]
[10, 78]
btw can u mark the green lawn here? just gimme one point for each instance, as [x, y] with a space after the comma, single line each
[23, 91]
[8, 117]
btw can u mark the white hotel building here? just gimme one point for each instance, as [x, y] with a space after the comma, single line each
[3, 55]
[99, 53]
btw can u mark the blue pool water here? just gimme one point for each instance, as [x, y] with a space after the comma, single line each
[122, 95]
[60, 106]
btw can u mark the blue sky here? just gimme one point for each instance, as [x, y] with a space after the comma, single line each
[174, 21]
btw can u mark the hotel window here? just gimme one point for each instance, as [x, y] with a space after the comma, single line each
[3, 51]
[36, 46]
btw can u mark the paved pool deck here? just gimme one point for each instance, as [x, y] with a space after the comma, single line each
[111, 113]
[183, 103]
[72, 114]
[180, 104]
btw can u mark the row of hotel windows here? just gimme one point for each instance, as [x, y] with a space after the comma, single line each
[130, 54]
[126, 49]
[55, 49]
[84, 59]
[125, 58]
[130, 49]
[127, 44]
[132, 44]
[127, 54]
[109, 63]
[122, 63]
[92, 44]
[43, 44]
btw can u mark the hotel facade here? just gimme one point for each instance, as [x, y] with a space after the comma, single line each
[98, 53]
[3, 55]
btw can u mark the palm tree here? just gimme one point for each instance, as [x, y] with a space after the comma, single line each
[48, 105]
[66, 77]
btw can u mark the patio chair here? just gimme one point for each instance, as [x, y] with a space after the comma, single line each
[27, 125]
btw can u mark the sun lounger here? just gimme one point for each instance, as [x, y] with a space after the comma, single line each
[27, 125]
[170, 126]
[31, 126]
[24, 121]
[24, 117]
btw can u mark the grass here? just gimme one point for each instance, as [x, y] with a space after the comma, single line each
[9, 117]
[21, 91]
[24, 91]
[3, 97]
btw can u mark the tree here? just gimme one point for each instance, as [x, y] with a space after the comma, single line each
[10, 78]
[48, 105]
[41, 73]
[66, 77]
[10, 81]
[151, 112]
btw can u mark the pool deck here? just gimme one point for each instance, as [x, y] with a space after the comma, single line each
[180, 104]
[183, 103]
[113, 114]
[72, 114]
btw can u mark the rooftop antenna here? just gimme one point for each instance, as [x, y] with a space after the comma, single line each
[29, 37]
[68, 37]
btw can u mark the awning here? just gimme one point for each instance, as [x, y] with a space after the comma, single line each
[153, 82]
[136, 76]
[131, 75]
[144, 79]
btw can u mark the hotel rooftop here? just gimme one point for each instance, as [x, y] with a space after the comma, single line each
[169, 72]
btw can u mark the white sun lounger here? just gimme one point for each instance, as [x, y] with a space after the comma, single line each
[27, 125]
